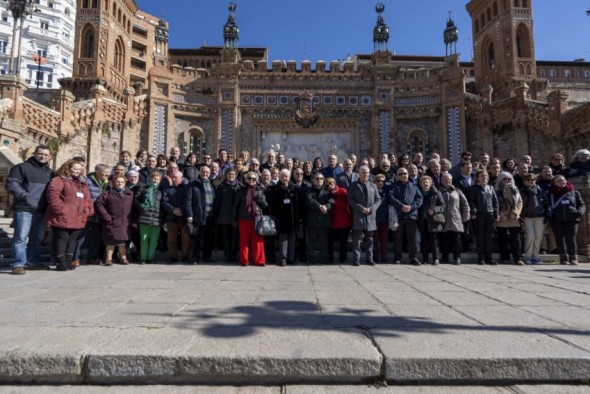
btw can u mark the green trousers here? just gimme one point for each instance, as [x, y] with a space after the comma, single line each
[149, 241]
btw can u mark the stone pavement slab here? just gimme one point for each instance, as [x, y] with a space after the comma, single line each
[333, 324]
[299, 389]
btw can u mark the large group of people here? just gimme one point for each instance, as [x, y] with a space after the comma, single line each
[431, 210]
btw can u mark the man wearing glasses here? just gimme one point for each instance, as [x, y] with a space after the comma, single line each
[364, 199]
[319, 217]
[406, 198]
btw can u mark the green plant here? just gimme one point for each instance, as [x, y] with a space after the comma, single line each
[53, 146]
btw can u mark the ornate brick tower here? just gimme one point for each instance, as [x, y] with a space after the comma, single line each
[102, 48]
[503, 44]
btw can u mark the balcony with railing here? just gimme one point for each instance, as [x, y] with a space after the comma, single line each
[52, 35]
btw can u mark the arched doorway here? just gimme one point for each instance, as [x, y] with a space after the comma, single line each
[193, 140]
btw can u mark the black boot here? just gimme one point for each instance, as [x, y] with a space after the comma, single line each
[61, 264]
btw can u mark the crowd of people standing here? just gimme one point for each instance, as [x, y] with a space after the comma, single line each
[432, 210]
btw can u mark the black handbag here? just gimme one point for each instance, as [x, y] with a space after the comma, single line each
[265, 225]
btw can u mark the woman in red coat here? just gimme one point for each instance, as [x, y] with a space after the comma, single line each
[341, 220]
[114, 209]
[69, 205]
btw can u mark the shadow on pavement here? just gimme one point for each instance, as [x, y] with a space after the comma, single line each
[244, 321]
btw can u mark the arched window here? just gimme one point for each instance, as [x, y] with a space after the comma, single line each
[114, 10]
[491, 56]
[119, 60]
[525, 4]
[523, 47]
[417, 142]
[495, 9]
[94, 3]
[195, 141]
[87, 45]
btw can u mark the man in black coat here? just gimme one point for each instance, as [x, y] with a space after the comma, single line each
[406, 198]
[199, 204]
[27, 182]
[173, 199]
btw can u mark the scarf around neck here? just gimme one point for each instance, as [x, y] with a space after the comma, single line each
[560, 191]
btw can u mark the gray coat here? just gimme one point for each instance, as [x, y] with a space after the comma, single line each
[456, 209]
[358, 200]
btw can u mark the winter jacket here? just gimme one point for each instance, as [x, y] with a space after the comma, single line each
[533, 202]
[27, 182]
[240, 210]
[435, 202]
[570, 209]
[341, 214]
[313, 198]
[510, 206]
[174, 197]
[456, 209]
[358, 199]
[195, 203]
[224, 202]
[151, 216]
[69, 204]
[190, 172]
[383, 210]
[285, 206]
[405, 194]
[483, 199]
[114, 210]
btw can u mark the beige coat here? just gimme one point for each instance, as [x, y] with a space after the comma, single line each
[509, 210]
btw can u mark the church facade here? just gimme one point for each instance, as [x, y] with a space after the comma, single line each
[129, 90]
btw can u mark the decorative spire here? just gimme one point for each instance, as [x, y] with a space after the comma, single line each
[162, 30]
[451, 36]
[231, 33]
[381, 31]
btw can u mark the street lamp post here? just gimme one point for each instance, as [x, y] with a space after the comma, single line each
[20, 9]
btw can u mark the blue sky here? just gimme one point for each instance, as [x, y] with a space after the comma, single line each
[332, 29]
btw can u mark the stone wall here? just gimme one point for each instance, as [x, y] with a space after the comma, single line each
[430, 126]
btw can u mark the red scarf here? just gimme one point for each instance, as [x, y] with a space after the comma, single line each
[250, 203]
[560, 191]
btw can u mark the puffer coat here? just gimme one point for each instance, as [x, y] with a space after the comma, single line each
[69, 204]
[151, 216]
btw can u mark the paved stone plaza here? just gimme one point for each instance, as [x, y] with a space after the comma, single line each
[221, 324]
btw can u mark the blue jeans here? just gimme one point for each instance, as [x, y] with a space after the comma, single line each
[27, 225]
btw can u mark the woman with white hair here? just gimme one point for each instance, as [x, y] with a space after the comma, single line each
[580, 164]
[508, 226]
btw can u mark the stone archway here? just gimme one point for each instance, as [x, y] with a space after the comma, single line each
[193, 140]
